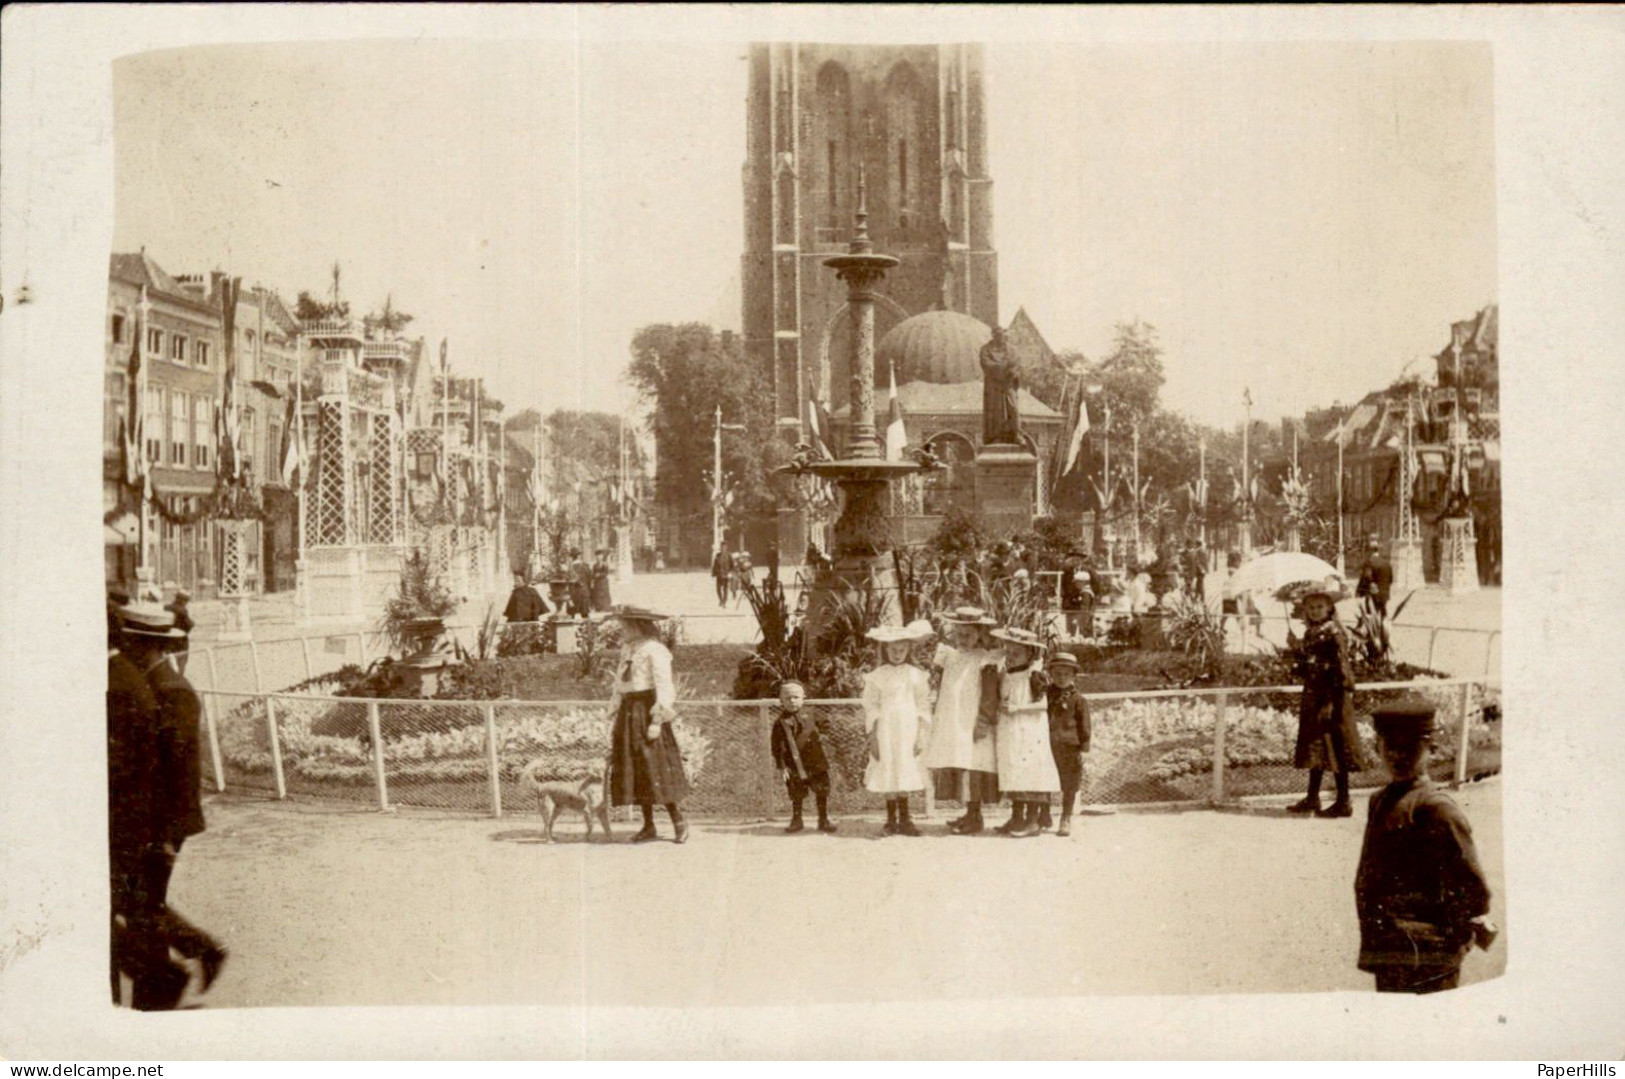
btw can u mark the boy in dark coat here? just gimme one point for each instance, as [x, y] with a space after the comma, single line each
[798, 751]
[1068, 734]
[1419, 893]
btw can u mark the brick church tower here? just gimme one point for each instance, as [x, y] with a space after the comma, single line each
[914, 117]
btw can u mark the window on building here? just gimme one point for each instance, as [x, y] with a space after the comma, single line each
[113, 409]
[152, 425]
[273, 443]
[177, 348]
[118, 329]
[155, 341]
[902, 184]
[200, 354]
[834, 175]
[180, 424]
[202, 431]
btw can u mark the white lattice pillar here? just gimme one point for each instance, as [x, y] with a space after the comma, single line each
[235, 538]
[1458, 555]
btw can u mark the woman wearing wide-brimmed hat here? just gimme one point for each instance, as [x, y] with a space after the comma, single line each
[645, 765]
[897, 716]
[1027, 772]
[965, 768]
[1327, 738]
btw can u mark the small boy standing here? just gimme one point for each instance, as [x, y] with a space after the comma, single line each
[798, 752]
[1068, 734]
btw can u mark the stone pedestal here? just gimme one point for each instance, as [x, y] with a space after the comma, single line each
[1458, 555]
[1244, 540]
[1005, 481]
[1406, 558]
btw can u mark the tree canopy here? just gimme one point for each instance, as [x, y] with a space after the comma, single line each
[684, 372]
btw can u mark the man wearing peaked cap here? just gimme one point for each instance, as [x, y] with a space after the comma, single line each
[1419, 893]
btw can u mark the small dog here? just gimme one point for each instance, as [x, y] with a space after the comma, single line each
[585, 796]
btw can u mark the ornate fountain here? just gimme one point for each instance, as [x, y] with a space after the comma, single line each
[863, 545]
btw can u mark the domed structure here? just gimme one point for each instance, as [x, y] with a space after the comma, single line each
[940, 347]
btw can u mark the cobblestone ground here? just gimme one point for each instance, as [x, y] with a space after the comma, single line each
[333, 908]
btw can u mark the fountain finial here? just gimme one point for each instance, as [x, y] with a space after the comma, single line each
[861, 244]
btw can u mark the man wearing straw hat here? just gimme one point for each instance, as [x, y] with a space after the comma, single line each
[169, 781]
[1419, 893]
[965, 767]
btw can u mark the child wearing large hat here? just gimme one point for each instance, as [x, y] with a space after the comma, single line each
[963, 755]
[1026, 765]
[897, 719]
[1327, 738]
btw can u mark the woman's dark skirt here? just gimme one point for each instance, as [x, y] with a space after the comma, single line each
[640, 771]
[1327, 738]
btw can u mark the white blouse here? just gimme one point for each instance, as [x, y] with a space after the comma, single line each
[645, 665]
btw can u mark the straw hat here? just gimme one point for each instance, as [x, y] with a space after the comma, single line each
[1017, 635]
[970, 616]
[921, 629]
[628, 613]
[1063, 659]
[144, 619]
[1331, 589]
[894, 634]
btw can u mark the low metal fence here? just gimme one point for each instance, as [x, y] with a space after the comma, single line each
[1178, 747]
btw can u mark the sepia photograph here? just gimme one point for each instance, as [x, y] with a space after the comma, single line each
[849, 515]
[893, 442]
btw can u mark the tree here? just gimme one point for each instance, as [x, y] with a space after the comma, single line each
[684, 372]
[310, 309]
[387, 319]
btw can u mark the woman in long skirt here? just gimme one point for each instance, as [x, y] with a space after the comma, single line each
[645, 765]
[1327, 738]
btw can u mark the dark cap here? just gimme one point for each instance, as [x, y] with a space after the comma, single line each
[1410, 717]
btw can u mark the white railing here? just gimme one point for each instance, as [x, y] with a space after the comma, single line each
[1213, 747]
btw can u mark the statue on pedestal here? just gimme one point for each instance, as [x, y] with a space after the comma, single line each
[1001, 380]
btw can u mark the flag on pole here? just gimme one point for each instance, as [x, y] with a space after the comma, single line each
[228, 462]
[818, 426]
[1080, 428]
[896, 433]
[134, 425]
[293, 445]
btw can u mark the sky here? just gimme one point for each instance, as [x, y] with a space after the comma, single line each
[1301, 220]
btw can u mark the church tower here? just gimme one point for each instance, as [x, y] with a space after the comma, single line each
[913, 118]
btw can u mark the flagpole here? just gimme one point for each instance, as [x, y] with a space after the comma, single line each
[1340, 566]
[143, 564]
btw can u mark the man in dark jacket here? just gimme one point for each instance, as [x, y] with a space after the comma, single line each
[139, 949]
[525, 604]
[1376, 579]
[1419, 893]
[171, 788]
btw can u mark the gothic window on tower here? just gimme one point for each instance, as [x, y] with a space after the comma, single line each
[904, 212]
[831, 122]
[832, 171]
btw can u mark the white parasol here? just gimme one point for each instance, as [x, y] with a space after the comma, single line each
[1272, 572]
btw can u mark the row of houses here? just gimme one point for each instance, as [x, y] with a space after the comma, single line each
[177, 325]
[1417, 416]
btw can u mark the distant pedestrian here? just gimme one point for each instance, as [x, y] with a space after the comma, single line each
[1419, 893]
[525, 604]
[1327, 738]
[183, 622]
[580, 585]
[1376, 578]
[721, 576]
[600, 581]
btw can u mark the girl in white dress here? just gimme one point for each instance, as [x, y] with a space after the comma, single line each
[1027, 770]
[897, 716]
[963, 760]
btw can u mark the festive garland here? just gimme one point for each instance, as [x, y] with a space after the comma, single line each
[234, 502]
